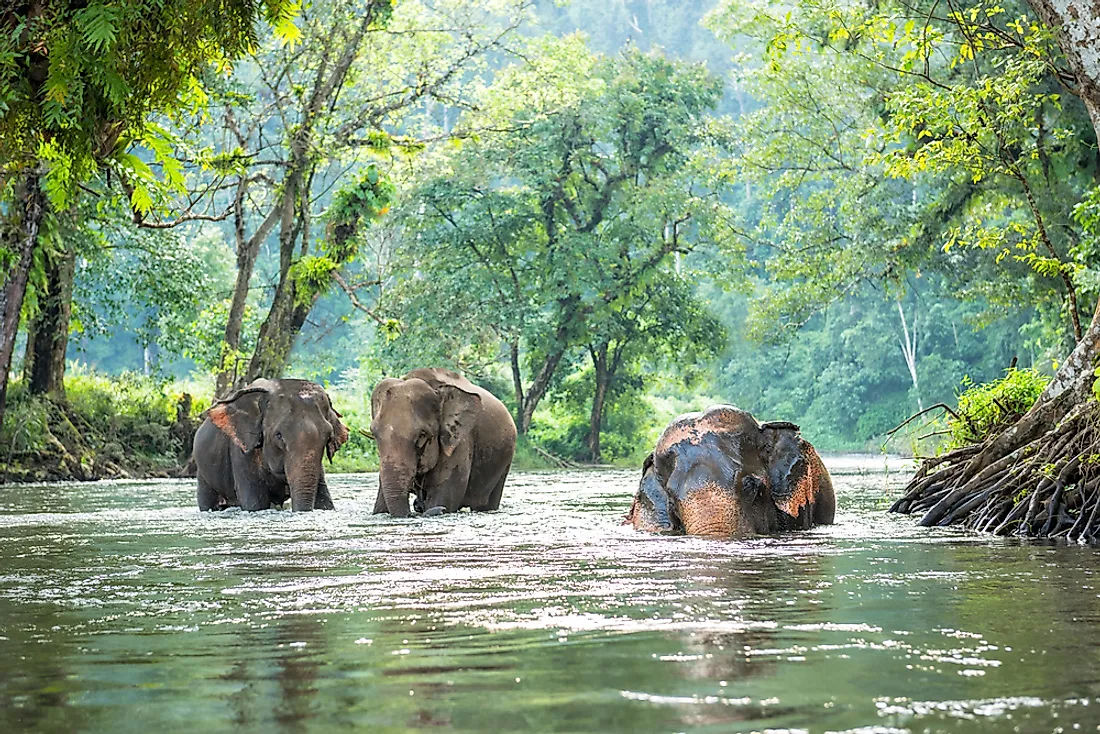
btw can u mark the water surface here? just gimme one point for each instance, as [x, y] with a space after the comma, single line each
[122, 608]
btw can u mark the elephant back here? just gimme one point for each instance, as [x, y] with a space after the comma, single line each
[438, 376]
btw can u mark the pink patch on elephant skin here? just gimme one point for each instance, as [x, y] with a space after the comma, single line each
[804, 487]
[220, 418]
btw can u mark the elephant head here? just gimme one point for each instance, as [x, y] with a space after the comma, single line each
[720, 473]
[417, 424]
[287, 426]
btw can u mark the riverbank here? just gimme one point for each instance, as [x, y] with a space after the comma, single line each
[122, 427]
[135, 427]
[132, 427]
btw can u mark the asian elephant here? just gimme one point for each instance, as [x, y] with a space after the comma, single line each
[264, 443]
[720, 473]
[443, 439]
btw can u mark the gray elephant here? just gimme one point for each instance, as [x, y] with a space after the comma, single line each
[442, 438]
[264, 444]
[721, 473]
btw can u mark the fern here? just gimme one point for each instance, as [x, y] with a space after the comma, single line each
[99, 24]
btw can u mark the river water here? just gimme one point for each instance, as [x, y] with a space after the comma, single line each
[123, 609]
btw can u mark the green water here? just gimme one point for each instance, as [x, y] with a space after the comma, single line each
[123, 609]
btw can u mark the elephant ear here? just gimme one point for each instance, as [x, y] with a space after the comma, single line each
[650, 510]
[789, 471]
[241, 416]
[339, 431]
[458, 413]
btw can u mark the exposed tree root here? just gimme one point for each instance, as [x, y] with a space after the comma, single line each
[1040, 478]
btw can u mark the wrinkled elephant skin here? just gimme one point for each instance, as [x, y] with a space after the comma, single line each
[442, 439]
[264, 444]
[720, 473]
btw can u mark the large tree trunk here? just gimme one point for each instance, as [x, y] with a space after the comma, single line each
[599, 398]
[538, 389]
[1077, 27]
[246, 262]
[13, 282]
[247, 251]
[517, 378]
[277, 334]
[1034, 478]
[48, 334]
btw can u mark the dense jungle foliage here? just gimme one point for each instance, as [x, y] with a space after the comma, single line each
[605, 212]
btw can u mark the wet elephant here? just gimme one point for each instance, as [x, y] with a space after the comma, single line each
[264, 443]
[720, 473]
[441, 438]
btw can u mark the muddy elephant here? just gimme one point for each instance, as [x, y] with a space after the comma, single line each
[264, 443]
[443, 439]
[720, 473]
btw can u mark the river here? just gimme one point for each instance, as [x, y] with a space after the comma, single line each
[124, 609]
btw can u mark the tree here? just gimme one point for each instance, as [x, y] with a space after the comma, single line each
[967, 96]
[1033, 477]
[585, 186]
[363, 81]
[78, 84]
[662, 320]
[868, 164]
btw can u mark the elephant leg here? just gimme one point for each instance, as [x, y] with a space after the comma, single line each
[380, 504]
[447, 484]
[207, 497]
[492, 502]
[251, 494]
[323, 500]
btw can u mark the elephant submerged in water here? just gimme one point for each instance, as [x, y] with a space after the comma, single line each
[441, 438]
[720, 473]
[264, 443]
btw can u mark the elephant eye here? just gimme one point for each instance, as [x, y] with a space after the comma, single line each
[422, 440]
[279, 436]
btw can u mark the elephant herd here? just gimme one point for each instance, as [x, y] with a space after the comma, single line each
[449, 444]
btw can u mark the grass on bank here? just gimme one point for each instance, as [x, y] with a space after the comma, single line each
[130, 425]
[125, 425]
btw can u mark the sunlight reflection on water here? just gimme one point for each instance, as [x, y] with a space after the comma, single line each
[122, 608]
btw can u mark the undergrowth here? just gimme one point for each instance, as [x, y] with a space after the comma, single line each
[990, 407]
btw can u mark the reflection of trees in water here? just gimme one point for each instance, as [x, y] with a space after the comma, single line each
[37, 663]
[720, 663]
[299, 669]
[289, 653]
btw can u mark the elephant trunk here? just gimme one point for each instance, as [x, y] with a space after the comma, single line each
[396, 482]
[711, 510]
[303, 479]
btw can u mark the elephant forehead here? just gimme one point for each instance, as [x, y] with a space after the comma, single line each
[692, 427]
[310, 392]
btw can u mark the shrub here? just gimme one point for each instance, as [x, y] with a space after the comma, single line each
[987, 408]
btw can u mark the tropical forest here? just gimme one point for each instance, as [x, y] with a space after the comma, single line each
[549, 365]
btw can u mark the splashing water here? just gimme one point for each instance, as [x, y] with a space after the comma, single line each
[122, 608]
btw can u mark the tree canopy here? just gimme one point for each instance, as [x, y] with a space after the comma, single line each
[829, 213]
